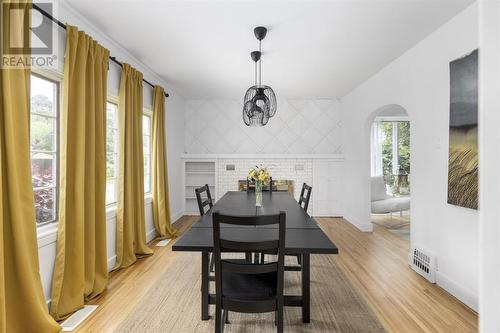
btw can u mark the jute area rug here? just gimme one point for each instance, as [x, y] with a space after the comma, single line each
[173, 303]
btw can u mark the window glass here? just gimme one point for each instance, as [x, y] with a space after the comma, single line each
[111, 153]
[44, 147]
[146, 141]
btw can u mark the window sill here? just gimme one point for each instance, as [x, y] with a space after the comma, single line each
[47, 234]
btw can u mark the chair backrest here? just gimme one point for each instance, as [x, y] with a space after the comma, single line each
[378, 189]
[274, 245]
[264, 187]
[201, 202]
[304, 197]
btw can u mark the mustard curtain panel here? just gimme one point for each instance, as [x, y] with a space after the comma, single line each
[80, 271]
[130, 220]
[161, 205]
[22, 302]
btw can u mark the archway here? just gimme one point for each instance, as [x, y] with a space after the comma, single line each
[390, 169]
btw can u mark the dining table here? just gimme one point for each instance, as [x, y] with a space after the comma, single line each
[303, 237]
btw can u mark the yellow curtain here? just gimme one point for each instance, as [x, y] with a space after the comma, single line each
[161, 205]
[80, 271]
[22, 302]
[130, 220]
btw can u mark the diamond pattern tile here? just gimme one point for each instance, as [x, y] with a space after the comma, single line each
[300, 126]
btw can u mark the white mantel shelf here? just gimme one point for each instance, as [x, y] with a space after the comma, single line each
[264, 156]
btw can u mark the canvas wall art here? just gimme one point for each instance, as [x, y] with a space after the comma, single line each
[463, 149]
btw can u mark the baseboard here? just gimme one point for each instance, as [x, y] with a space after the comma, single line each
[365, 227]
[175, 217]
[111, 263]
[462, 294]
[150, 235]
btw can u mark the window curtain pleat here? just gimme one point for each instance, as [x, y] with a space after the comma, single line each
[161, 204]
[81, 271]
[130, 219]
[22, 301]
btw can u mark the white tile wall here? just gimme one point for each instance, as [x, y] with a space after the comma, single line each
[299, 126]
[279, 168]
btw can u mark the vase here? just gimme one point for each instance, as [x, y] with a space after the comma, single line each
[258, 193]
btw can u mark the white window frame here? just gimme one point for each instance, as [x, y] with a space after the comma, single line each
[376, 164]
[57, 78]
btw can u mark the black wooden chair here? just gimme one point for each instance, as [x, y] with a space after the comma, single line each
[248, 287]
[265, 188]
[304, 198]
[202, 203]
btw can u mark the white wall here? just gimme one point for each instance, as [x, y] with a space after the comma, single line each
[175, 143]
[419, 82]
[489, 164]
[299, 126]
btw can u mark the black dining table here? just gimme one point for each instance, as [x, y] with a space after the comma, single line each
[303, 236]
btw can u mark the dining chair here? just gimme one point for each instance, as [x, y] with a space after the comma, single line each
[303, 199]
[203, 203]
[201, 206]
[248, 287]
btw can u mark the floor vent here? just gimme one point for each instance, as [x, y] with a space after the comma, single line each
[423, 263]
[77, 318]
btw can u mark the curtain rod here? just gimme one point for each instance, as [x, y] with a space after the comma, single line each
[62, 25]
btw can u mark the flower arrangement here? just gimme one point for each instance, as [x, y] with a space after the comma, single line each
[259, 173]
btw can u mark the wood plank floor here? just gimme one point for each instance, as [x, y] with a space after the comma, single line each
[374, 262]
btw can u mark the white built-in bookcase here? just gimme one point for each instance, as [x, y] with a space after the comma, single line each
[196, 174]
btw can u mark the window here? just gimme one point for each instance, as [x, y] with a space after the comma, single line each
[44, 126]
[111, 153]
[146, 142]
[390, 148]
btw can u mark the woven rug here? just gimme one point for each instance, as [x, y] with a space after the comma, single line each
[173, 303]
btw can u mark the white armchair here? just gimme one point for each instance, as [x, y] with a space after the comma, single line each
[383, 203]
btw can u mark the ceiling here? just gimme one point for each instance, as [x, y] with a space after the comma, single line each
[313, 49]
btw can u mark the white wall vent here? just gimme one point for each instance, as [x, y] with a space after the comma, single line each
[423, 263]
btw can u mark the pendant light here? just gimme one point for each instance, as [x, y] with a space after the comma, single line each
[260, 101]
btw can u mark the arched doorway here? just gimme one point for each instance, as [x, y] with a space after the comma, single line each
[390, 170]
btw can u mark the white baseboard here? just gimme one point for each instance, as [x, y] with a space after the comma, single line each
[365, 227]
[111, 262]
[462, 294]
[175, 217]
[150, 235]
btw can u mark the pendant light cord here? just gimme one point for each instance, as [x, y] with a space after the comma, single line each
[260, 64]
[255, 67]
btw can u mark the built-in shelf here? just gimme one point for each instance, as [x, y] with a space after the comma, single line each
[197, 174]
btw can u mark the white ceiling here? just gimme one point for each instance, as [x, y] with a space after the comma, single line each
[314, 49]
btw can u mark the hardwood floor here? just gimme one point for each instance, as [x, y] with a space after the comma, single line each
[375, 263]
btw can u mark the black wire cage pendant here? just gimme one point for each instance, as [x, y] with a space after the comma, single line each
[260, 100]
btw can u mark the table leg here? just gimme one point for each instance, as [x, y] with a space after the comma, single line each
[306, 288]
[204, 285]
